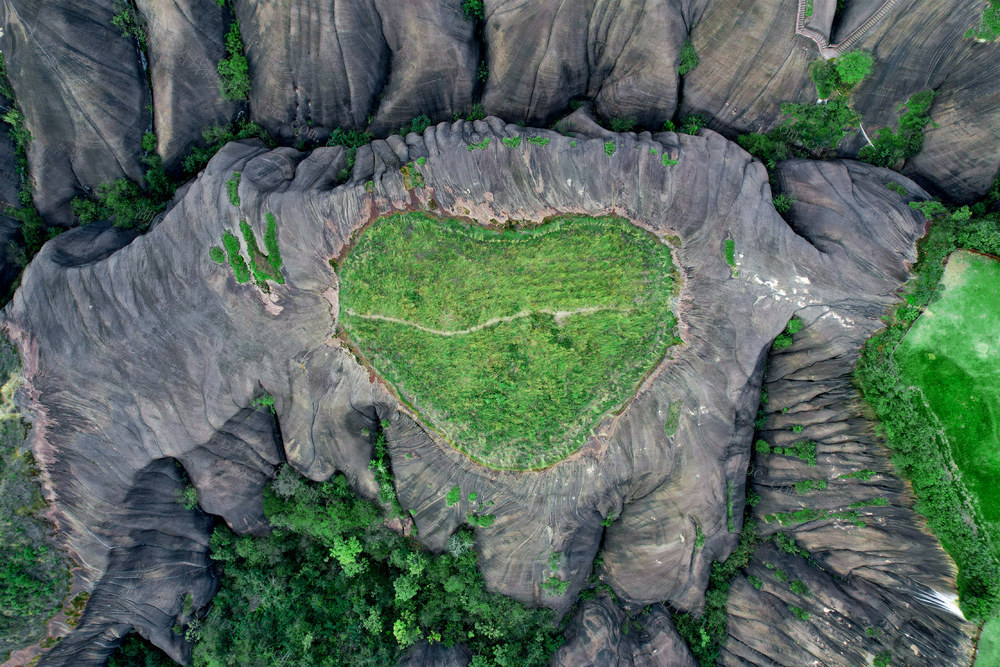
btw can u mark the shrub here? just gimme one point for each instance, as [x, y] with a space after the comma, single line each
[699, 537]
[262, 401]
[769, 148]
[454, 495]
[688, 58]
[622, 124]
[692, 124]
[234, 70]
[218, 136]
[217, 255]
[131, 23]
[852, 67]
[539, 141]
[474, 9]
[799, 612]
[477, 112]
[483, 71]
[729, 252]
[873, 632]
[989, 25]
[820, 126]
[889, 149]
[481, 145]
[783, 203]
[233, 189]
[755, 582]
[511, 142]
[883, 659]
[351, 140]
[555, 586]
[236, 261]
[188, 497]
[668, 161]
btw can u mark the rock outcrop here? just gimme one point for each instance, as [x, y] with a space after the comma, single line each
[142, 357]
[375, 64]
[84, 96]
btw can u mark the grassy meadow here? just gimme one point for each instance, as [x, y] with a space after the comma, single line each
[512, 344]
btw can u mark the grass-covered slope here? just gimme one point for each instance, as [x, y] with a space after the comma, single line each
[951, 354]
[512, 344]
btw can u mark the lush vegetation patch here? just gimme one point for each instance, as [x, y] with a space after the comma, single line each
[890, 149]
[332, 581]
[474, 9]
[233, 189]
[989, 644]
[263, 267]
[234, 69]
[913, 432]
[989, 26]
[128, 19]
[839, 76]
[951, 355]
[688, 58]
[33, 576]
[504, 340]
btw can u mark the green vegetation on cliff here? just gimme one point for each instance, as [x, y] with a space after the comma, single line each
[512, 344]
[33, 575]
[919, 445]
[332, 584]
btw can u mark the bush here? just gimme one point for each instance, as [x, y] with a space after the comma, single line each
[692, 124]
[127, 19]
[841, 75]
[890, 149]
[989, 25]
[511, 142]
[820, 126]
[688, 58]
[234, 70]
[539, 141]
[233, 189]
[474, 9]
[218, 136]
[622, 124]
[609, 148]
[769, 148]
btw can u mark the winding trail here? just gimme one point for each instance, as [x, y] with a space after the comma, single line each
[559, 315]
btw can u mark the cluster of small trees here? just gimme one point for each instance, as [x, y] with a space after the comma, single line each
[331, 580]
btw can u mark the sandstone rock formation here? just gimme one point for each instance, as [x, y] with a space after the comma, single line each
[84, 96]
[375, 64]
[142, 357]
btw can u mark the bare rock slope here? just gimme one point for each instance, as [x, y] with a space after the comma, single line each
[142, 356]
[316, 65]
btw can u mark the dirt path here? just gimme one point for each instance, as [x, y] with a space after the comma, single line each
[560, 317]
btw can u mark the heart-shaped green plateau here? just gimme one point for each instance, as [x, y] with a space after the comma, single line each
[513, 345]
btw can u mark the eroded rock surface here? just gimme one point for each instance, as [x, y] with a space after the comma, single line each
[316, 65]
[83, 93]
[142, 364]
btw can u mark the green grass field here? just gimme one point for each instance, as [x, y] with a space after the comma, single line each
[951, 354]
[989, 644]
[514, 344]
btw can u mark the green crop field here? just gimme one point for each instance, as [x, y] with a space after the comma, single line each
[951, 354]
[513, 345]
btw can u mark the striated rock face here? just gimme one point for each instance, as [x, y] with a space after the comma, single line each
[603, 634]
[316, 65]
[83, 93]
[885, 585]
[186, 41]
[141, 363]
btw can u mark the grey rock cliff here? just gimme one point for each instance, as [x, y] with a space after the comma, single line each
[142, 361]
